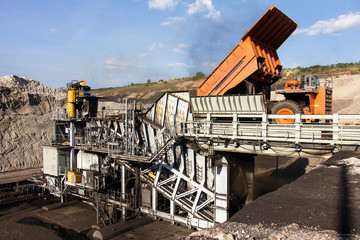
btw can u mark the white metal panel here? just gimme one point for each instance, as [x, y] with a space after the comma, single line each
[171, 108]
[222, 186]
[160, 110]
[240, 104]
[50, 161]
[88, 161]
[185, 96]
[150, 131]
[55, 160]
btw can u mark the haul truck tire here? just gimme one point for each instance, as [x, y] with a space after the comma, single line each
[286, 107]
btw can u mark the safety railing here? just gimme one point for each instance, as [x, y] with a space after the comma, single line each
[327, 129]
[60, 115]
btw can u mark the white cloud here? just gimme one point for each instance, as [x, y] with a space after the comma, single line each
[182, 45]
[211, 65]
[155, 45]
[163, 4]
[142, 55]
[180, 64]
[343, 22]
[180, 48]
[200, 6]
[171, 20]
[52, 30]
[114, 63]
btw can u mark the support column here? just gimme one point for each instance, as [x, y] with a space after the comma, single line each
[154, 201]
[172, 211]
[97, 208]
[72, 144]
[249, 169]
[222, 185]
[123, 192]
[63, 199]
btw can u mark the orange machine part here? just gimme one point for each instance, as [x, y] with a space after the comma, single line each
[320, 102]
[254, 58]
[292, 84]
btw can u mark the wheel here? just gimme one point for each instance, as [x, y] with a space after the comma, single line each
[286, 107]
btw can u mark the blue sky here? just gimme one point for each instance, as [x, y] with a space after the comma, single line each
[113, 43]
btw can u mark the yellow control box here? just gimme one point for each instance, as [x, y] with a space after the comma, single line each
[74, 177]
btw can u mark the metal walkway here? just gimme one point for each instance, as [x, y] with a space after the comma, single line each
[330, 130]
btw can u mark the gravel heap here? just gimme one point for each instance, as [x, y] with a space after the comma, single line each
[237, 231]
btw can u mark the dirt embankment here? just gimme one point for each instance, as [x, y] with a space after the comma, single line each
[346, 94]
[25, 121]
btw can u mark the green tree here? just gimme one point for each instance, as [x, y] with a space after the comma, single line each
[199, 75]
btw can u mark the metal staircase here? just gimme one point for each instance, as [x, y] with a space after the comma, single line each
[101, 209]
[190, 196]
[163, 150]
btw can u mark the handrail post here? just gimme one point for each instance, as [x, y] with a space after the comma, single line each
[208, 120]
[336, 127]
[234, 125]
[264, 124]
[297, 127]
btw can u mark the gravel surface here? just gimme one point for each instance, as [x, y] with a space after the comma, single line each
[323, 204]
[237, 231]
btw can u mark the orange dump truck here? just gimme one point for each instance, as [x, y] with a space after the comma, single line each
[304, 94]
[253, 65]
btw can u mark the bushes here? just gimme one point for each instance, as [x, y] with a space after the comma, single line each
[352, 68]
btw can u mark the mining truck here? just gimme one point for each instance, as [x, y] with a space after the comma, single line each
[304, 94]
[253, 66]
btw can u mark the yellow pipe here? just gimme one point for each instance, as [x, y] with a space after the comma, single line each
[71, 102]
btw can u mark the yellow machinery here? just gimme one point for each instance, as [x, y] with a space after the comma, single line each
[74, 177]
[76, 89]
[71, 102]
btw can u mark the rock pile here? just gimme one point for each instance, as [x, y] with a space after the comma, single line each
[235, 231]
[25, 124]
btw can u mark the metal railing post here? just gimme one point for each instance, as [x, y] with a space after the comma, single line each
[297, 127]
[234, 123]
[336, 127]
[208, 121]
[264, 124]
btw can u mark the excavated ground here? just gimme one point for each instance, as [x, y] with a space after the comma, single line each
[323, 204]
